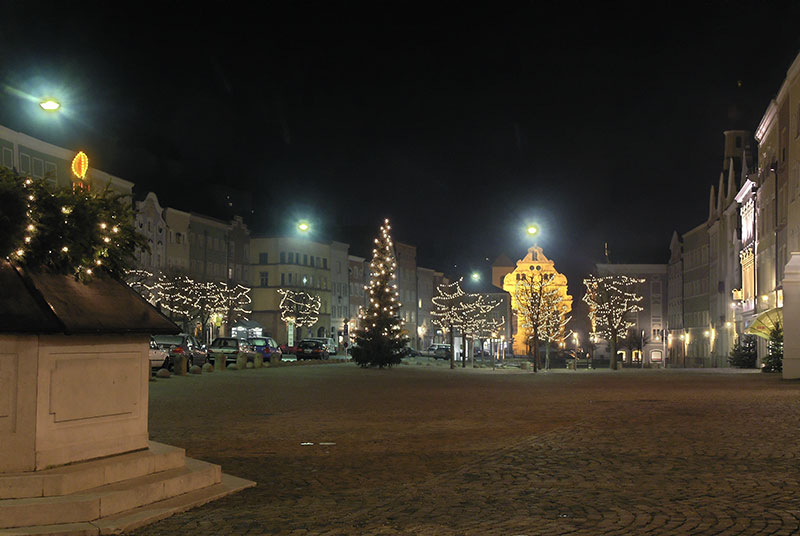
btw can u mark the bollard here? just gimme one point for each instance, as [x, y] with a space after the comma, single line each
[219, 362]
[274, 360]
[241, 362]
[179, 365]
[258, 361]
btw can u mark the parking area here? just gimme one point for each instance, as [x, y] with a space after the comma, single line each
[424, 449]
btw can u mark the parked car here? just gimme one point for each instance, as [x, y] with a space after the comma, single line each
[288, 350]
[312, 349]
[182, 344]
[266, 346]
[439, 350]
[329, 343]
[158, 358]
[230, 349]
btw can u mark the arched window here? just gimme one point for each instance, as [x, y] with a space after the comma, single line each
[321, 332]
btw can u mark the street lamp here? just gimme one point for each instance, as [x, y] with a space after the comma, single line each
[50, 104]
[476, 276]
[532, 230]
[303, 227]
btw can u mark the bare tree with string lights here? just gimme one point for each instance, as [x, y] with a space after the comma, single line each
[380, 341]
[541, 310]
[611, 300]
[298, 308]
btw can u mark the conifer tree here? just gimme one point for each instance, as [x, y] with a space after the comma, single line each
[379, 341]
[773, 362]
[743, 354]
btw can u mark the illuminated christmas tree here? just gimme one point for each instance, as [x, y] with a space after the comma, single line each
[612, 299]
[380, 341]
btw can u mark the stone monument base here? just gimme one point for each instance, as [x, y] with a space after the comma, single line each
[110, 495]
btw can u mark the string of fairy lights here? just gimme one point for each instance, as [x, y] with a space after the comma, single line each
[184, 296]
[382, 311]
[541, 307]
[456, 309]
[299, 307]
[611, 300]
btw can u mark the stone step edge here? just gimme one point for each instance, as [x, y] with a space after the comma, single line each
[107, 500]
[90, 474]
[141, 516]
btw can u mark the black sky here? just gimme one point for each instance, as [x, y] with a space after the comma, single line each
[601, 122]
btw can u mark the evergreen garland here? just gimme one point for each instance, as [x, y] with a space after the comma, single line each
[66, 231]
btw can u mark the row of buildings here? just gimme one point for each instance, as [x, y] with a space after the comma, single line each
[210, 249]
[724, 277]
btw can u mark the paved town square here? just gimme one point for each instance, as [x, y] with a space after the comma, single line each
[422, 449]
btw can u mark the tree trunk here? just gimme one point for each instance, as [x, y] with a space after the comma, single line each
[547, 355]
[452, 348]
[613, 361]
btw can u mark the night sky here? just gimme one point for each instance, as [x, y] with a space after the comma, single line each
[462, 125]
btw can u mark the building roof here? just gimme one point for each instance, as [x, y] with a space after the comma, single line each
[503, 260]
[53, 303]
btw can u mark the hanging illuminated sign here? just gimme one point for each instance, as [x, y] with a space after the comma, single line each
[80, 165]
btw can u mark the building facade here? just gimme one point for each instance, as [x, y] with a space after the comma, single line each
[340, 291]
[36, 158]
[289, 263]
[650, 324]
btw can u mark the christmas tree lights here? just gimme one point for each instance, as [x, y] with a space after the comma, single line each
[380, 340]
[612, 299]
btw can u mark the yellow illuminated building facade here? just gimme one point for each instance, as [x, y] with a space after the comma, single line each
[535, 265]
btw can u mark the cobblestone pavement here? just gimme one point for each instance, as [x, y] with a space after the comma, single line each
[432, 451]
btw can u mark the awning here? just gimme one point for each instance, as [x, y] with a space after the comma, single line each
[765, 322]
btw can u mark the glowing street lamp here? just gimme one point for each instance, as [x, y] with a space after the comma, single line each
[50, 105]
[303, 227]
[532, 230]
[476, 276]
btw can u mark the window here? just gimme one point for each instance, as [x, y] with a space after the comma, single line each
[291, 257]
[24, 163]
[305, 260]
[283, 257]
[262, 259]
[283, 279]
[324, 263]
[264, 279]
[178, 238]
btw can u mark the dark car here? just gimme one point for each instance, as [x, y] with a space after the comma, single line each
[288, 350]
[230, 348]
[182, 344]
[266, 346]
[308, 349]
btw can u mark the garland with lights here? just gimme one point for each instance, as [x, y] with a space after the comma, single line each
[541, 311]
[611, 300]
[299, 307]
[380, 341]
[64, 231]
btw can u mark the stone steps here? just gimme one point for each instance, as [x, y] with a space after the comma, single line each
[164, 483]
[91, 474]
